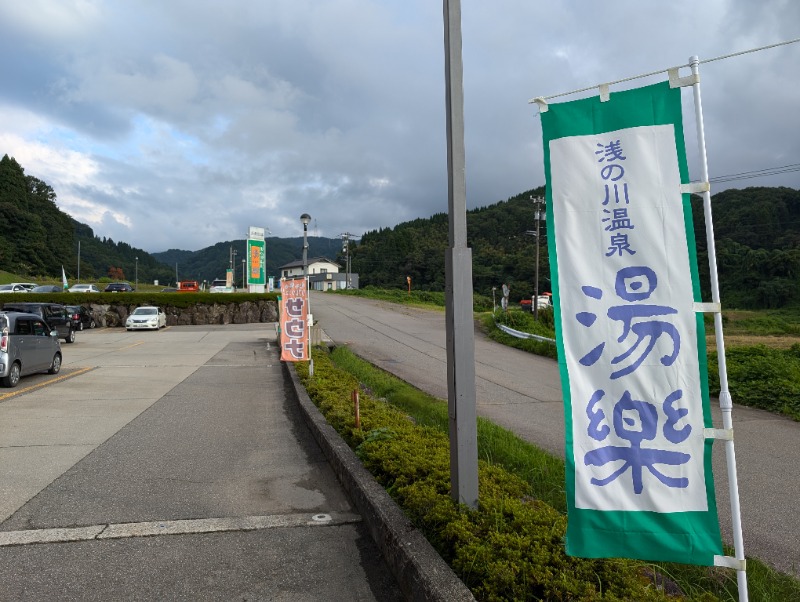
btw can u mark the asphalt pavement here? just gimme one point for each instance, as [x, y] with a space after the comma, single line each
[144, 474]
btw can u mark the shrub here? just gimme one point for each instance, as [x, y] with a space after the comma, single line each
[761, 377]
[511, 547]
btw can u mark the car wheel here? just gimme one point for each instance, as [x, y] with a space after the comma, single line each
[70, 338]
[92, 323]
[12, 380]
[55, 367]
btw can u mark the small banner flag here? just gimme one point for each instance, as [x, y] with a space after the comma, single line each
[64, 284]
[631, 346]
[294, 320]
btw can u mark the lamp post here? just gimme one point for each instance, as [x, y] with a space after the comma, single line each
[537, 203]
[244, 276]
[233, 269]
[137, 275]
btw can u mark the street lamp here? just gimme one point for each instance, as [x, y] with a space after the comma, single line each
[244, 277]
[305, 219]
[137, 275]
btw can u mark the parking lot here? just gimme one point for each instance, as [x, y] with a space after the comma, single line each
[173, 464]
[108, 377]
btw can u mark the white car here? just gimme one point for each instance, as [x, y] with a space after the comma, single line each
[146, 318]
[15, 287]
[84, 288]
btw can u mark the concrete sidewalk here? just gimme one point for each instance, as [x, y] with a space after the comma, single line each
[218, 491]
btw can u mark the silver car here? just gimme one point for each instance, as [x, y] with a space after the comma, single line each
[14, 287]
[27, 346]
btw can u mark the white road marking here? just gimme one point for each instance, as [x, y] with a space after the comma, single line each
[173, 527]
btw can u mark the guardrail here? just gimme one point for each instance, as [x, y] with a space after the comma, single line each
[523, 335]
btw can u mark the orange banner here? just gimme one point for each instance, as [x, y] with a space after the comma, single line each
[294, 321]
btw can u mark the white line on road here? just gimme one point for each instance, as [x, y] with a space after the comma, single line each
[173, 527]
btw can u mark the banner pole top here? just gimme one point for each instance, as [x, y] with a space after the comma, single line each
[542, 100]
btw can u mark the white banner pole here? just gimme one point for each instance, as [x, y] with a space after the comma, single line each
[725, 401]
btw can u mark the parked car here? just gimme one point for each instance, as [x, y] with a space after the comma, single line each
[119, 287]
[544, 301]
[84, 288]
[14, 287]
[146, 317]
[27, 346]
[81, 317]
[47, 288]
[54, 314]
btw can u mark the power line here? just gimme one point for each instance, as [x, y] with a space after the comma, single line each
[757, 173]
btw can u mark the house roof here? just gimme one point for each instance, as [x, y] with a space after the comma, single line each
[311, 261]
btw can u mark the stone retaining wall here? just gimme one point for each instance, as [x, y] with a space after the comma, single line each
[217, 313]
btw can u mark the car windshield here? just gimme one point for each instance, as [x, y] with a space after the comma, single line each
[145, 311]
[6, 287]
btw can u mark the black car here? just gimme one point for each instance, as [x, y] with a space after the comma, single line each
[54, 314]
[81, 317]
[119, 287]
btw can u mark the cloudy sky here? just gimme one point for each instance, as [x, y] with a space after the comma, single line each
[179, 123]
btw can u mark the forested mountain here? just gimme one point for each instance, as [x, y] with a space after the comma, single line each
[37, 238]
[757, 232]
[503, 252]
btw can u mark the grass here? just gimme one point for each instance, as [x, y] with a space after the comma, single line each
[496, 445]
[544, 473]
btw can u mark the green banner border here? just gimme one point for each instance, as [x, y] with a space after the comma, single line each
[687, 537]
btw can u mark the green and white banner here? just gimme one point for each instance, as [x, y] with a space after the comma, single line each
[631, 346]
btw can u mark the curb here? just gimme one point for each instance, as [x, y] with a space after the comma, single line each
[420, 572]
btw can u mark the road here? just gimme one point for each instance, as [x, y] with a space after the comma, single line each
[173, 465]
[522, 392]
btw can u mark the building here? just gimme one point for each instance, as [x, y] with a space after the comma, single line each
[323, 274]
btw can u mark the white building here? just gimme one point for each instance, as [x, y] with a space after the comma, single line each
[323, 274]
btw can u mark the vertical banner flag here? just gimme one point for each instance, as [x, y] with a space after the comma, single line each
[631, 347]
[294, 320]
[256, 274]
[64, 284]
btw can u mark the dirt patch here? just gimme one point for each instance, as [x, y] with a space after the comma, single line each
[745, 340]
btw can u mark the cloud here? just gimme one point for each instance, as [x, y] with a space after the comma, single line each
[181, 123]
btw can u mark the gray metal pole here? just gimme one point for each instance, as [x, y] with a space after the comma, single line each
[538, 204]
[458, 290]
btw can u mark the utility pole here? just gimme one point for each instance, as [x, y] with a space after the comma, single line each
[461, 396]
[346, 250]
[538, 202]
